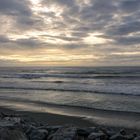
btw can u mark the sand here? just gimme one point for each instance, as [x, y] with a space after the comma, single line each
[56, 119]
[49, 118]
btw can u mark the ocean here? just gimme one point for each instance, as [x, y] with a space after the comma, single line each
[104, 88]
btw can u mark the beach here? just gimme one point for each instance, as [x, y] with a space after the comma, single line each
[78, 117]
[48, 118]
[24, 125]
[73, 98]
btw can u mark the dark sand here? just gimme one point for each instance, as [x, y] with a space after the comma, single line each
[50, 119]
[79, 116]
[55, 119]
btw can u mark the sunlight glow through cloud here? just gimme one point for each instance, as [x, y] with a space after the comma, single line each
[92, 32]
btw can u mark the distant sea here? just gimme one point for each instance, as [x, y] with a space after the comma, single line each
[106, 88]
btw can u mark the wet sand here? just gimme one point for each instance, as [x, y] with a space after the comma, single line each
[114, 120]
[49, 118]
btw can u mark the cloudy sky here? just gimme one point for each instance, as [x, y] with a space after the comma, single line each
[69, 32]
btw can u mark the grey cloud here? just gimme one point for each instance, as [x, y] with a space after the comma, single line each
[26, 22]
[79, 34]
[135, 40]
[124, 28]
[26, 43]
[30, 42]
[91, 17]
[83, 28]
[64, 38]
[104, 7]
[98, 10]
[4, 39]
[19, 11]
[70, 7]
[130, 5]
[73, 46]
[14, 7]
[123, 40]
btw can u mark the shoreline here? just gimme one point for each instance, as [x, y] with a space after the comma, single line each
[50, 118]
[74, 114]
[62, 120]
[24, 125]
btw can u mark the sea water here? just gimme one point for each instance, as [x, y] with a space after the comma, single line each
[105, 88]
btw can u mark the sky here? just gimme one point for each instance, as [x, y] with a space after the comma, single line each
[69, 32]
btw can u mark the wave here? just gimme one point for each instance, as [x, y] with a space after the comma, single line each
[102, 72]
[57, 82]
[23, 76]
[68, 106]
[38, 76]
[72, 90]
